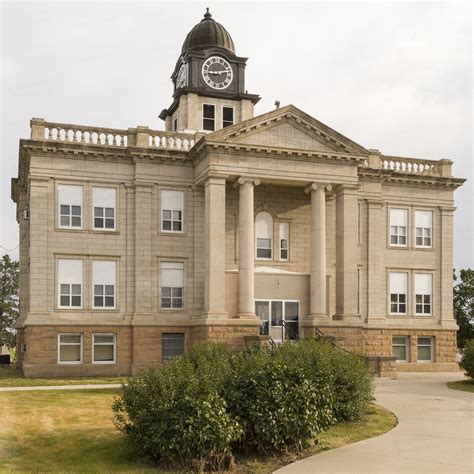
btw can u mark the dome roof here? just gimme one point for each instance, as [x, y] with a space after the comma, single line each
[208, 33]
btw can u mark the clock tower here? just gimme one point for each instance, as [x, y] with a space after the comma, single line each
[209, 82]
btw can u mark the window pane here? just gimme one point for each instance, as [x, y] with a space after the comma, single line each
[427, 309]
[393, 239]
[70, 338]
[209, 111]
[228, 114]
[101, 338]
[277, 313]
[426, 299]
[262, 309]
[166, 225]
[400, 352]
[177, 292]
[64, 209]
[76, 222]
[109, 223]
[402, 240]
[98, 301]
[65, 221]
[424, 341]
[70, 353]
[64, 301]
[167, 215]
[76, 289]
[176, 226]
[177, 303]
[166, 292]
[264, 253]
[264, 243]
[76, 210]
[75, 301]
[393, 308]
[103, 353]
[402, 308]
[109, 301]
[98, 289]
[98, 223]
[393, 297]
[109, 290]
[401, 298]
[109, 212]
[424, 353]
[419, 308]
[284, 254]
[291, 311]
[172, 345]
[98, 211]
[399, 340]
[177, 215]
[166, 302]
[64, 289]
[208, 124]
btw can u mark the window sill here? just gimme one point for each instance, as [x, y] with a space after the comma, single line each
[104, 363]
[170, 232]
[70, 363]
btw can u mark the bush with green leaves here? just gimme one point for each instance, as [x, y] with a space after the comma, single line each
[198, 409]
[277, 404]
[467, 361]
[175, 414]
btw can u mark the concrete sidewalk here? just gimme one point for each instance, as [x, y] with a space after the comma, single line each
[60, 387]
[435, 432]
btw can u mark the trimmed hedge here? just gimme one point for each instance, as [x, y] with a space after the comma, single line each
[198, 409]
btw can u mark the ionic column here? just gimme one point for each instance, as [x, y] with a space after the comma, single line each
[346, 253]
[318, 304]
[214, 241]
[246, 308]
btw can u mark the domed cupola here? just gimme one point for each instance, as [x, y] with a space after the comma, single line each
[209, 82]
[207, 34]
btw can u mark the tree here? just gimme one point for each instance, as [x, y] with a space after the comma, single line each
[464, 305]
[9, 300]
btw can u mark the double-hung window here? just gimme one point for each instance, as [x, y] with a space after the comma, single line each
[398, 292]
[172, 345]
[209, 117]
[103, 348]
[398, 227]
[284, 240]
[104, 283]
[172, 285]
[104, 204]
[227, 116]
[423, 293]
[172, 207]
[69, 283]
[425, 349]
[70, 348]
[264, 235]
[423, 229]
[400, 348]
[70, 206]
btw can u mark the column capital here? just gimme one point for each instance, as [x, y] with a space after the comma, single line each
[314, 186]
[246, 180]
[214, 178]
[347, 188]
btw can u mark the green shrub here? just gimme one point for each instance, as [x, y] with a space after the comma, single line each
[467, 362]
[350, 381]
[176, 417]
[276, 404]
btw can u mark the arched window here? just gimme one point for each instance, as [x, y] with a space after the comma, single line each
[264, 235]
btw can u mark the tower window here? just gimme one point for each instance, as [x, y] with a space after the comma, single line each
[227, 116]
[209, 117]
[175, 124]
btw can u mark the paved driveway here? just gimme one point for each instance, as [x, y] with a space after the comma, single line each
[435, 432]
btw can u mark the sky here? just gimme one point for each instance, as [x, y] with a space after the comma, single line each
[391, 76]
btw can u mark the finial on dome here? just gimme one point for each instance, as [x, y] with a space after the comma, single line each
[207, 15]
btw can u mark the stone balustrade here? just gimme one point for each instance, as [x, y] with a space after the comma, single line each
[139, 136]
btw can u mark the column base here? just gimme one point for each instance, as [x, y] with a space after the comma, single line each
[316, 319]
[214, 315]
[251, 316]
[347, 317]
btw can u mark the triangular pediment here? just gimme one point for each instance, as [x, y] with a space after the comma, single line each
[287, 128]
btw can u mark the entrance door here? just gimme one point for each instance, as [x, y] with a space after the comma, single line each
[280, 319]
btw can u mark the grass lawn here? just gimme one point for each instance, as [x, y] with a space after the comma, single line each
[463, 385]
[73, 431]
[14, 378]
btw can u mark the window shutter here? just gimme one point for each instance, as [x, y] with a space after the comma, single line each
[172, 275]
[103, 197]
[172, 200]
[70, 195]
[423, 283]
[398, 283]
[103, 272]
[70, 271]
[423, 219]
[399, 217]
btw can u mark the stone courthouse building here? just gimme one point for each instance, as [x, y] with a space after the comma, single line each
[138, 243]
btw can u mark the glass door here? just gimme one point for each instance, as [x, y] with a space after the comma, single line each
[280, 319]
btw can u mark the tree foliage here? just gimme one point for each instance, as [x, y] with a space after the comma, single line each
[9, 300]
[464, 305]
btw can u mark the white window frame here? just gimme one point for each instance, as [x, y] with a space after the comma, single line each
[282, 301]
[59, 283]
[407, 349]
[104, 217]
[398, 303]
[175, 123]
[431, 346]
[281, 225]
[114, 344]
[73, 362]
[203, 118]
[222, 115]
[397, 234]
[172, 211]
[257, 238]
[59, 204]
[182, 298]
[163, 335]
[423, 230]
[104, 308]
[423, 297]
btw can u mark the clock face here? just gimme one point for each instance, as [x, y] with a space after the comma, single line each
[217, 73]
[182, 76]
